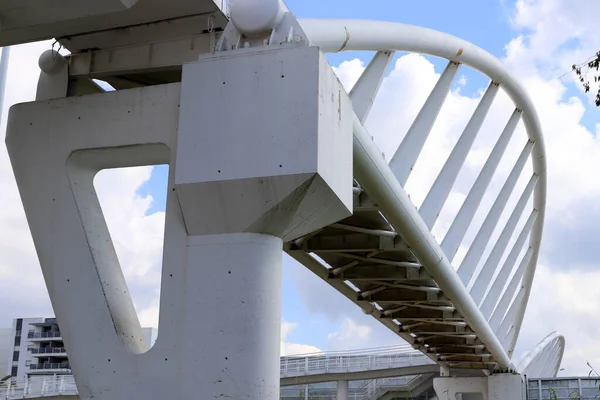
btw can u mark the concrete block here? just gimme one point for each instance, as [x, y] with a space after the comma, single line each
[265, 144]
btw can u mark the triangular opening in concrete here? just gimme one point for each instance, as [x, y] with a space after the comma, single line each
[133, 202]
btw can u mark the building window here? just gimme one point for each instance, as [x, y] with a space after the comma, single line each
[15, 356]
[19, 324]
[13, 371]
[18, 333]
[17, 340]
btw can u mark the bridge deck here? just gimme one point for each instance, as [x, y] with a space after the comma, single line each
[364, 251]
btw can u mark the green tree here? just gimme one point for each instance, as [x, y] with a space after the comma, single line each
[583, 71]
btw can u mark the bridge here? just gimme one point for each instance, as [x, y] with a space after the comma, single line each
[363, 374]
[296, 171]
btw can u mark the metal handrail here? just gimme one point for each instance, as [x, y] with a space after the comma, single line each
[406, 348]
[48, 350]
[63, 365]
[41, 335]
[39, 387]
[314, 365]
[321, 363]
[371, 389]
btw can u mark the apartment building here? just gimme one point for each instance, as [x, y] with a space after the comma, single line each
[37, 348]
[6, 348]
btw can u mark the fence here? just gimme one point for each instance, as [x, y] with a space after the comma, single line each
[363, 360]
[563, 389]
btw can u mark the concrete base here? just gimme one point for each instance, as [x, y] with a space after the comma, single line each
[493, 387]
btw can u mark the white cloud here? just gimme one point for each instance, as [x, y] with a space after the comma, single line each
[565, 295]
[137, 236]
[21, 285]
[350, 336]
[290, 348]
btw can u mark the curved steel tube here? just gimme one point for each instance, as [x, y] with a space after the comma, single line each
[333, 35]
[544, 361]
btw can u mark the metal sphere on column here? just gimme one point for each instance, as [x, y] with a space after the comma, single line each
[51, 61]
[254, 17]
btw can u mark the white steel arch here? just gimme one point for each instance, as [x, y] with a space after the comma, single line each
[544, 361]
[497, 317]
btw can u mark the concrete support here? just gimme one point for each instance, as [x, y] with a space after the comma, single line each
[342, 390]
[494, 387]
[234, 285]
[245, 176]
[506, 386]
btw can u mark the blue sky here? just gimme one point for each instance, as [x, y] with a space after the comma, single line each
[485, 23]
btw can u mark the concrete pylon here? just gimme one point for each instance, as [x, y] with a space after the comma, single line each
[260, 149]
[342, 390]
[500, 386]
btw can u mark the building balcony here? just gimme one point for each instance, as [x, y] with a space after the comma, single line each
[44, 335]
[44, 351]
[63, 367]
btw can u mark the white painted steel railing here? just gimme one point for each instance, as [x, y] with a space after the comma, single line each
[33, 387]
[343, 362]
[368, 390]
[376, 387]
[291, 366]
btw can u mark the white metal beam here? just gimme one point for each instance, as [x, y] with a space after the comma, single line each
[439, 192]
[463, 219]
[405, 157]
[366, 88]
[495, 287]
[375, 176]
[473, 256]
[509, 318]
[507, 296]
[491, 264]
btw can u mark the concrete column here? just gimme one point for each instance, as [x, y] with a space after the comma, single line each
[246, 181]
[342, 390]
[232, 314]
[506, 387]
[493, 387]
[455, 388]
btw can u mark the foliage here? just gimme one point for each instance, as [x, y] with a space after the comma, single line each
[582, 72]
[302, 395]
[575, 394]
[593, 373]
